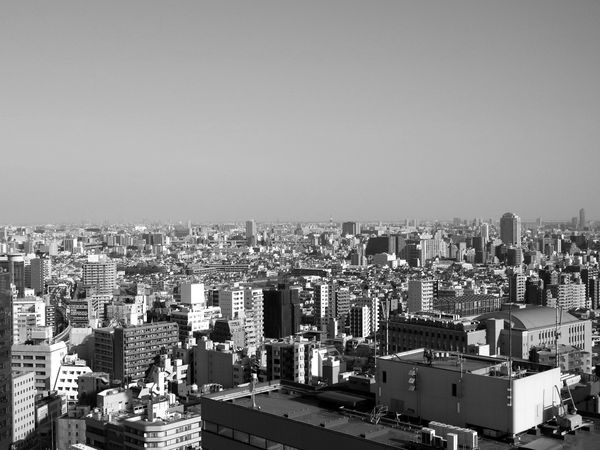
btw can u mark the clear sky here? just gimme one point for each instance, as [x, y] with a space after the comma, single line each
[223, 110]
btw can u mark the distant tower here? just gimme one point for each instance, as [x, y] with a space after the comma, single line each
[251, 232]
[485, 232]
[510, 229]
[582, 219]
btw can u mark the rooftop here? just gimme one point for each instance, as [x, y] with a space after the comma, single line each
[531, 317]
[475, 364]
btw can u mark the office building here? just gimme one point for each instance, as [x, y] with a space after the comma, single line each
[420, 295]
[125, 353]
[282, 311]
[14, 264]
[44, 359]
[510, 229]
[101, 274]
[350, 228]
[582, 221]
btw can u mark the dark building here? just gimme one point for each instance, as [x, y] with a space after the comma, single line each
[350, 228]
[468, 305]
[379, 244]
[5, 360]
[479, 246]
[15, 266]
[534, 291]
[282, 312]
[229, 330]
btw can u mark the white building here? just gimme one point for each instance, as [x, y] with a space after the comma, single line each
[192, 295]
[23, 405]
[28, 313]
[469, 391]
[65, 383]
[42, 359]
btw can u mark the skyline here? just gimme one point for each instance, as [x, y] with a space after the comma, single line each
[343, 109]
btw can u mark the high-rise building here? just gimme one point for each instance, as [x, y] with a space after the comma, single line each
[350, 228]
[6, 333]
[516, 287]
[484, 232]
[510, 229]
[23, 408]
[360, 320]
[282, 311]
[126, 353]
[254, 312]
[14, 264]
[322, 306]
[251, 232]
[231, 302]
[41, 270]
[420, 295]
[100, 273]
[582, 222]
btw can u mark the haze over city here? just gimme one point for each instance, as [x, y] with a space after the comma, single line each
[216, 111]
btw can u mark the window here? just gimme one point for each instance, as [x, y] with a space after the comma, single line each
[453, 389]
[384, 376]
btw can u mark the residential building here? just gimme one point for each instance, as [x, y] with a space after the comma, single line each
[100, 273]
[420, 295]
[23, 407]
[126, 352]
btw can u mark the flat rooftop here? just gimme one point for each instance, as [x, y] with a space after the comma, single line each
[457, 362]
[301, 409]
[274, 398]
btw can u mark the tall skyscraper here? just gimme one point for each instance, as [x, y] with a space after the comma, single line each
[484, 231]
[582, 222]
[251, 232]
[510, 229]
[5, 360]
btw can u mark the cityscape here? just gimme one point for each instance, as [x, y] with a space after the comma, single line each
[462, 333]
[299, 225]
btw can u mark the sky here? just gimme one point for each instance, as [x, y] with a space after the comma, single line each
[279, 110]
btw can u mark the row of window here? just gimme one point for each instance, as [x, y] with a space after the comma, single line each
[246, 438]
